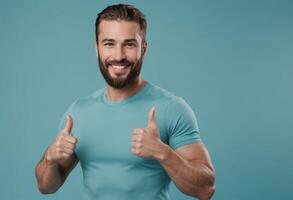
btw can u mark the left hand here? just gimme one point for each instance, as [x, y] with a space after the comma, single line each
[146, 142]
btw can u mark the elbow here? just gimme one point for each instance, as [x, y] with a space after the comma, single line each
[209, 189]
[207, 193]
[44, 189]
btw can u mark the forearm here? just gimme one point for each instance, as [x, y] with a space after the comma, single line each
[48, 176]
[193, 178]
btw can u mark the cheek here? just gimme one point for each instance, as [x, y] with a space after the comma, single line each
[134, 55]
[102, 50]
[104, 54]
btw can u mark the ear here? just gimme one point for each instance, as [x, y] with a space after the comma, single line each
[97, 51]
[144, 47]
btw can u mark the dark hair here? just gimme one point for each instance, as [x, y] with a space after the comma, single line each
[122, 12]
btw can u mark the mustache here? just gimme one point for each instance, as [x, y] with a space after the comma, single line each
[119, 62]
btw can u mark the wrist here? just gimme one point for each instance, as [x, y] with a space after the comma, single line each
[164, 152]
[48, 159]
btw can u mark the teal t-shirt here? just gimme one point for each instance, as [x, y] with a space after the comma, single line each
[104, 129]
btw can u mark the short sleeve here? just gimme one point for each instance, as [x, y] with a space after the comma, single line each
[181, 124]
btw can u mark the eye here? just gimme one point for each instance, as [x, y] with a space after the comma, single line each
[108, 44]
[130, 45]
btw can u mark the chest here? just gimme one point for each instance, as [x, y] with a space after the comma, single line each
[104, 135]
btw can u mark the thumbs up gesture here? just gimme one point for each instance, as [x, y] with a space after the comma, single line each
[146, 142]
[64, 145]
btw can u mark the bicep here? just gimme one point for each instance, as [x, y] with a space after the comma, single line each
[195, 152]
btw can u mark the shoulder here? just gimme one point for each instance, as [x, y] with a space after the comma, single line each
[172, 102]
[86, 101]
[174, 106]
[80, 105]
[161, 93]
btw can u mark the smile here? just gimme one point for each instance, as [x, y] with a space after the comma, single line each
[119, 66]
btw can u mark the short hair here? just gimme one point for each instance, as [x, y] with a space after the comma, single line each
[124, 12]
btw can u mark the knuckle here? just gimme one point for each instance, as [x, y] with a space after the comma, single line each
[135, 130]
[58, 150]
[133, 138]
[57, 139]
[58, 143]
[140, 138]
[65, 155]
[72, 139]
[61, 136]
[138, 130]
[138, 145]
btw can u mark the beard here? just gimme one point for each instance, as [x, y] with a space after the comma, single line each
[120, 82]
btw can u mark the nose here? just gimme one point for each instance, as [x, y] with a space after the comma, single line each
[119, 53]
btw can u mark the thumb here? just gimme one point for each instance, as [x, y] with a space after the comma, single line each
[152, 123]
[68, 125]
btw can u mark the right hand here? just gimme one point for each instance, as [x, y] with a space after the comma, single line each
[64, 145]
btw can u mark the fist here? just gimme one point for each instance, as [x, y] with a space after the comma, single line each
[146, 142]
[64, 145]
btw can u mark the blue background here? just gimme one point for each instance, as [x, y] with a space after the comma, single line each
[230, 60]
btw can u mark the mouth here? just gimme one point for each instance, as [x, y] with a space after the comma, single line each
[119, 69]
[118, 66]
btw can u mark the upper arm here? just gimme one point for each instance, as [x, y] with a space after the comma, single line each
[182, 125]
[196, 152]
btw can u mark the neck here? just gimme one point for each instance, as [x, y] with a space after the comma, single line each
[114, 94]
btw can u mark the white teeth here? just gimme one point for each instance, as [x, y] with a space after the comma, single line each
[118, 67]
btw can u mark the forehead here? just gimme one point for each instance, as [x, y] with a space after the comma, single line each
[119, 30]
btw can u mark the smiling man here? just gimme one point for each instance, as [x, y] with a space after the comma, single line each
[132, 138]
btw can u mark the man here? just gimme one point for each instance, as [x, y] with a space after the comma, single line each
[131, 137]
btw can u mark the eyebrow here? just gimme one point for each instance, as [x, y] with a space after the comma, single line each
[108, 40]
[112, 40]
[131, 40]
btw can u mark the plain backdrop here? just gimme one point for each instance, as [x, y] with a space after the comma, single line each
[230, 60]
